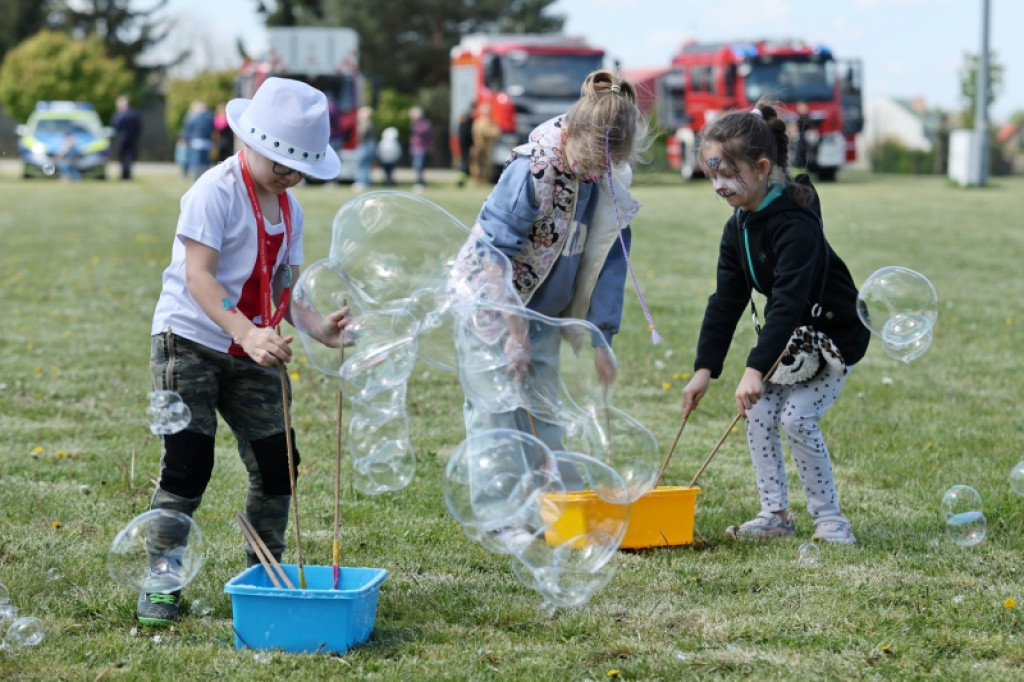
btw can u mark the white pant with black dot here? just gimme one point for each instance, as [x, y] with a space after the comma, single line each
[797, 409]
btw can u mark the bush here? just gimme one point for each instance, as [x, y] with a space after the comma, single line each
[889, 156]
[52, 66]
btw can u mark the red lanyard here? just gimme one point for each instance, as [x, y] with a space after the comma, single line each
[266, 318]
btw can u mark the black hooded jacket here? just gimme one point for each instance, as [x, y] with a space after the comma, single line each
[780, 251]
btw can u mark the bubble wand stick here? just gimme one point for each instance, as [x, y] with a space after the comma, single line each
[337, 468]
[291, 470]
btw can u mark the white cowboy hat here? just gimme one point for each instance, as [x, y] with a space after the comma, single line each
[287, 122]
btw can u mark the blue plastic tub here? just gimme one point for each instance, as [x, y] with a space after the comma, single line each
[316, 619]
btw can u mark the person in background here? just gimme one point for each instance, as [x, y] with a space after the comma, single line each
[366, 148]
[214, 340]
[65, 160]
[222, 132]
[198, 131]
[389, 151]
[127, 126]
[774, 243]
[465, 134]
[421, 137]
[485, 134]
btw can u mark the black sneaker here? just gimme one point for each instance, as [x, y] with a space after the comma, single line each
[158, 608]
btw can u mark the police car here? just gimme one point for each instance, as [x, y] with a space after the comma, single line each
[46, 134]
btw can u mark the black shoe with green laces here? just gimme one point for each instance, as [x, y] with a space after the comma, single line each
[158, 608]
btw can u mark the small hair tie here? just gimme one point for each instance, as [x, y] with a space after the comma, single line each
[757, 112]
[615, 88]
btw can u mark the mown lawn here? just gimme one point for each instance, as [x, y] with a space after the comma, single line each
[81, 271]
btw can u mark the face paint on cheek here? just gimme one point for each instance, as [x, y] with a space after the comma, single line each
[726, 187]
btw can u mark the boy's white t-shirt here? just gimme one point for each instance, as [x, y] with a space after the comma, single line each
[216, 212]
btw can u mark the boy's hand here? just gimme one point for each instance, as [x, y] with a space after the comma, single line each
[695, 390]
[266, 347]
[749, 390]
[331, 328]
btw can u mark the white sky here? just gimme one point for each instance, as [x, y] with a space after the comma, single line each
[910, 48]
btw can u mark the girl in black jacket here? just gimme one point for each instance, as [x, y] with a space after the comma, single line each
[774, 243]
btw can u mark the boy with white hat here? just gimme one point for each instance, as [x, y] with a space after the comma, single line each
[237, 250]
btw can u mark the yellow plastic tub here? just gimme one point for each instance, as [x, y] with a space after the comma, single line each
[661, 518]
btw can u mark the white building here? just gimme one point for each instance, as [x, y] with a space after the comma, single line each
[886, 118]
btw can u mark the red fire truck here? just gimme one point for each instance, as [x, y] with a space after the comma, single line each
[708, 79]
[327, 59]
[526, 79]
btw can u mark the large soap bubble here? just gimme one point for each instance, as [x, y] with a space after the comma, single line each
[160, 550]
[965, 521]
[497, 479]
[167, 413]
[900, 306]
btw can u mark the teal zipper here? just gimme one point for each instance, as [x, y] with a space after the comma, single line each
[750, 261]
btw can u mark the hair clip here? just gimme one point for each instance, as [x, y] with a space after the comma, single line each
[615, 88]
[757, 112]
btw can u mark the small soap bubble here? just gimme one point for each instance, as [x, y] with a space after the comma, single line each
[261, 657]
[1017, 478]
[49, 168]
[810, 555]
[167, 413]
[25, 631]
[134, 632]
[157, 639]
[200, 607]
[53, 574]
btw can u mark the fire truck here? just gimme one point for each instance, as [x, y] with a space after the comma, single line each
[708, 79]
[327, 59]
[526, 79]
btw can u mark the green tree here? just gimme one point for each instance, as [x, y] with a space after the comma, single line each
[20, 19]
[125, 31]
[211, 87]
[969, 84]
[52, 66]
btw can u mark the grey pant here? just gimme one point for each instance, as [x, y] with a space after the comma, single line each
[796, 409]
[541, 390]
[248, 397]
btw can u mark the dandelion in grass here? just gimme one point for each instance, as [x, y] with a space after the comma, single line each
[1010, 603]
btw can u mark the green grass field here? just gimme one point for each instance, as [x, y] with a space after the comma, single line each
[81, 272]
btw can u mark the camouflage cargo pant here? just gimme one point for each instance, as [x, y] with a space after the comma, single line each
[248, 397]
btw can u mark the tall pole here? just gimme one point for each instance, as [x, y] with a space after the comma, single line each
[980, 156]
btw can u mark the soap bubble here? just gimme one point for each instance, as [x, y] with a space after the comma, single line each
[810, 555]
[161, 550]
[48, 168]
[960, 499]
[965, 523]
[200, 607]
[1017, 478]
[25, 631]
[167, 413]
[53, 574]
[496, 479]
[900, 306]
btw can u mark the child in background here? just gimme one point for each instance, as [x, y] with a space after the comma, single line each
[389, 151]
[421, 137]
[774, 243]
[237, 250]
[551, 215]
